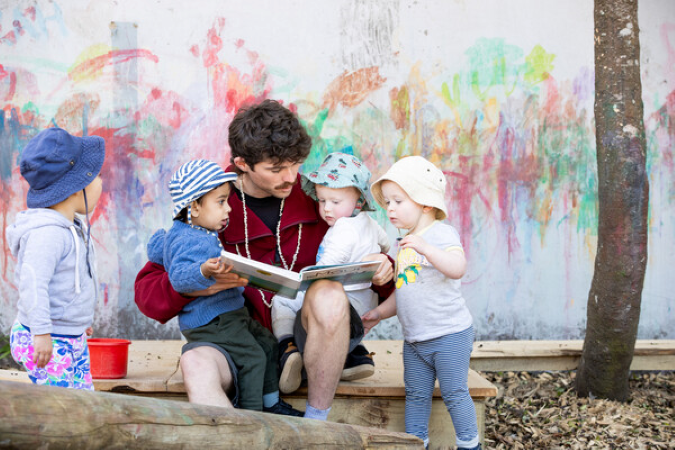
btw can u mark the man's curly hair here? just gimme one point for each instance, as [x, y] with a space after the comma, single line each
[268, 130]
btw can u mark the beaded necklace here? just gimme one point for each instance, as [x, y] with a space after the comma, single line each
[197, 227]
[278, 234]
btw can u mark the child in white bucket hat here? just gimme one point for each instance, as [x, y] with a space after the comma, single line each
[190, 252]
[56, 263]
[437, 325]
[341, 187]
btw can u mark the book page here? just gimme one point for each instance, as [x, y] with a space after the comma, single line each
[347, 274]
[263, 276]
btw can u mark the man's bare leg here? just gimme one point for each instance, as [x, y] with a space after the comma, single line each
[207, 376]
[325, 316]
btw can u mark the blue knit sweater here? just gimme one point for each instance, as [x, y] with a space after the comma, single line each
[182, 251]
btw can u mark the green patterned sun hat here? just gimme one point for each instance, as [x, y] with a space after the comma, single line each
[340, 170]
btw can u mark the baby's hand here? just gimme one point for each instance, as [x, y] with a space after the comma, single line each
[222, 268]
[42, 349]
[89, 331]
[211, 267]
[416, 243]
[370, 319]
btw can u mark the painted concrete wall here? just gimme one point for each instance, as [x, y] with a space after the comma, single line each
[498, 94]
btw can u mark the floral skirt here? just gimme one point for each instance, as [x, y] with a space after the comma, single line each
[68, 367]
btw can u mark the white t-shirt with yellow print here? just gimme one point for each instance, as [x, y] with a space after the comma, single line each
[428, 303]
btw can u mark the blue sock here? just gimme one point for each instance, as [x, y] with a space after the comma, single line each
[270, 399]
[314, 413]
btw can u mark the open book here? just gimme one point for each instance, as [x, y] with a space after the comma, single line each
[288, 283]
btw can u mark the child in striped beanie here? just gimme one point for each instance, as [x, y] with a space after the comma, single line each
[190, 253]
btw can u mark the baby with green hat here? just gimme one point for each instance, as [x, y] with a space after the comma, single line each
[341, 187]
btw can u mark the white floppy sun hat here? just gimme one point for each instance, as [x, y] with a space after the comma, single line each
[421, 180]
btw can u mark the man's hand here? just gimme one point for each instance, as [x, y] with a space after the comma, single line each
[42, 349]
[224, 280]
[386, 271]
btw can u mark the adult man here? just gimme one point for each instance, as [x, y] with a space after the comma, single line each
[273, 221]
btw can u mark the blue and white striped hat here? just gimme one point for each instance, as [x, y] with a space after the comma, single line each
[194, 179]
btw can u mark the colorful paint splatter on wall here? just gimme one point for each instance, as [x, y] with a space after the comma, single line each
[508, 118]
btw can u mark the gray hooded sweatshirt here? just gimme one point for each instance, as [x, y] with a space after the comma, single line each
[57, 285]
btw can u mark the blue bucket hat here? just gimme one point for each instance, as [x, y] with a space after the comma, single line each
[194, 179]
[340, 170]
[57, 164]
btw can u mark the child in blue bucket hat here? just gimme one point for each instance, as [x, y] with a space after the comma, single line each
[56, 267]
[341, 187]
[190, 252]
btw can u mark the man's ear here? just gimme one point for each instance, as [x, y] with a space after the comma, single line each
[241, 164]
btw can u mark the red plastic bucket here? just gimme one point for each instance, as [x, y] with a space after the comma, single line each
[108, 357]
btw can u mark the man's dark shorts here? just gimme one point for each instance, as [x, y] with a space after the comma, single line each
[355, 330]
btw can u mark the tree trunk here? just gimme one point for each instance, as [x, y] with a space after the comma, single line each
[51, 417]
[623, 193]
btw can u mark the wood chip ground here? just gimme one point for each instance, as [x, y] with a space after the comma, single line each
[541, 411]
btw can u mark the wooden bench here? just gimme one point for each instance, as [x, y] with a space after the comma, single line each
[377, 401]
[494, 356]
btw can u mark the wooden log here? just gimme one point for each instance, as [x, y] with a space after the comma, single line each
[49, 417]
